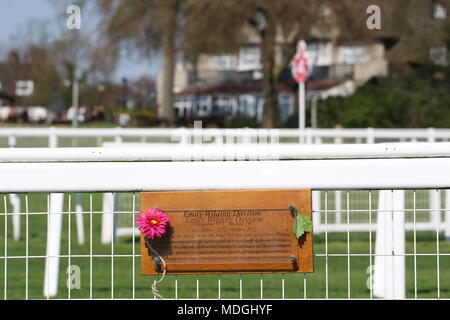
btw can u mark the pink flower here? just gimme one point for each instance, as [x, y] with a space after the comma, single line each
[153, 223]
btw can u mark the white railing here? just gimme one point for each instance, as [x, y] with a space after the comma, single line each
[137, 173]
[392, 167]
[53, 135]
[209, 152]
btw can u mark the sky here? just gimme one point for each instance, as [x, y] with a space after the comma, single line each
[14, 15]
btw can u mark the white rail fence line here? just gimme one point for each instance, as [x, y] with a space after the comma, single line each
[183, 135]
[167, 152]
[102, 172]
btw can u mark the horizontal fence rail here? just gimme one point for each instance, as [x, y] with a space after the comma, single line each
[314, 174]
[91, 137]
[266, 151]
[430, 133]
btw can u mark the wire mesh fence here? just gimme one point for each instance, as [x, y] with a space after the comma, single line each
[344, 259]
[426, 204]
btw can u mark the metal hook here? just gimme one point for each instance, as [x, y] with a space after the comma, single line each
[157, 260]
[293, 209]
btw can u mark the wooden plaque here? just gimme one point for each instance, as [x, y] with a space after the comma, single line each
[245, 231]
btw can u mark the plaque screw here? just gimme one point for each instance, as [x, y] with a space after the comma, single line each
[293, 259]
[292, 209]
[156, 260]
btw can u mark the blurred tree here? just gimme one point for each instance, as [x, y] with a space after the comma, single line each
[103, 61]
[415, 24]
[148, 26]
[71, 55]
[46, 78]
[145, 90]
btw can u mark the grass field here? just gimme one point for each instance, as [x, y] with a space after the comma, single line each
[119, 284]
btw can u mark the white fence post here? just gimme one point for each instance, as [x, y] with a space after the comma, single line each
[15, 203]
[118, 135]
[52, 138]
[12, 141]
[431, 135]
[14, 198]
[370, 136]
[389, 271]
[309, 136]
[380, 247]
[108, 227]
[435, 206]
[53, 244]
[447, 215]
[315, 195]
[338, 205]
[79, 220]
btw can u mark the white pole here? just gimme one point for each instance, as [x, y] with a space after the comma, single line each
[15, 199]
[338, 205]
[314, 113]
[53, 233]
[53, 244]
[15, 202]
[75, 102]
[107, 218]
[435, 206]
[370, 137]
[447, 215]
[301, 109]
[389, 276]
[316, 208]
[308, 136]
[12, 141]
[79, 220]
[378, 275]
[398, 244]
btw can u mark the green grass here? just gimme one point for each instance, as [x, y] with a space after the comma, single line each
[102, 277]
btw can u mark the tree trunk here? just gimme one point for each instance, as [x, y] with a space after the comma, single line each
[270, 89]
[166, 109]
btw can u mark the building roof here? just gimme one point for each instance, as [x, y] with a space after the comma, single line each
[321, 85]
[251, 87]
[230, 88]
